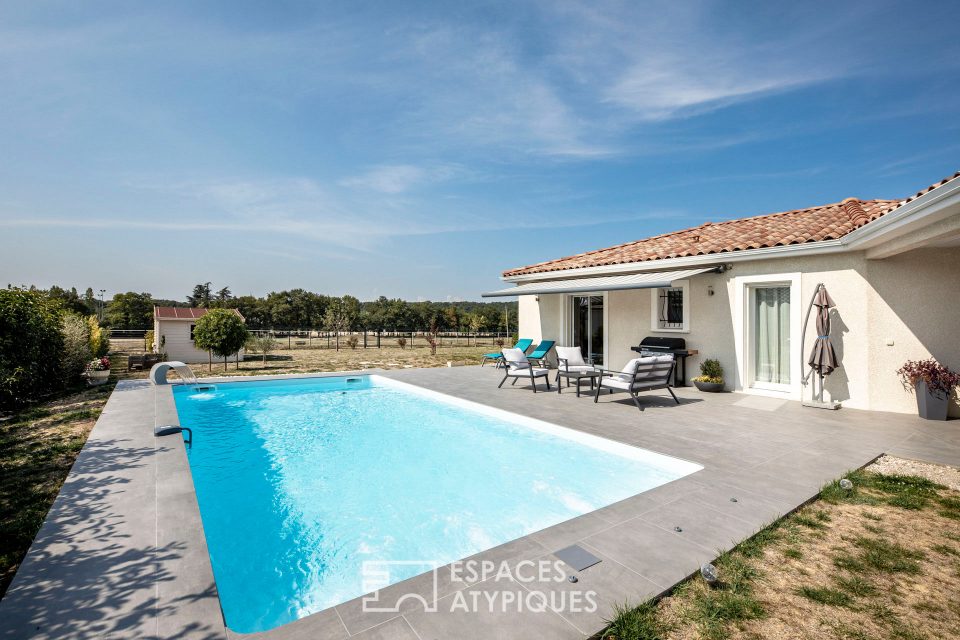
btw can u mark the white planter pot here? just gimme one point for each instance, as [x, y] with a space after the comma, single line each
[96, 378]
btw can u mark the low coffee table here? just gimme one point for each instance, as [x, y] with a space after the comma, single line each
[579, 376]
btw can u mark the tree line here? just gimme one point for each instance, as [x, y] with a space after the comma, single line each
[300, 309]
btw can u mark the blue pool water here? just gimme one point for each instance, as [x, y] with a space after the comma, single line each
[301, 481]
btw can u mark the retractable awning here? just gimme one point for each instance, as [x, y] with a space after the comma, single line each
[648, 280]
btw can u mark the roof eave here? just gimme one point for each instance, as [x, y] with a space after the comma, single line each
[921, 208]
[810, 248]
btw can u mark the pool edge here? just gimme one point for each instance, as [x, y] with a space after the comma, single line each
[320, 622]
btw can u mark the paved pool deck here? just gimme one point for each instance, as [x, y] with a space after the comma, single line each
[122, 552]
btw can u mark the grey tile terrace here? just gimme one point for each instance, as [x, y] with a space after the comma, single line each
[122, 552]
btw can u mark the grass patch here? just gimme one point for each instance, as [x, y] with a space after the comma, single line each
[925, 606]
[904, 492]
[888, 557]
[74, 416]
[826, 595]
[945, 549]
[633, 623]
[753, 547]
[793, 553]
[856, 586]
[807, 521]
[871, 516]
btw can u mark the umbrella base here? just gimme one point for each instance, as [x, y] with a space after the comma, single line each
[816, 404]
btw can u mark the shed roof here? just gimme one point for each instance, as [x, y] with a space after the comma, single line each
[183, 313]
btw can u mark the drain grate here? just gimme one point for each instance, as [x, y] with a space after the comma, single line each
[577, 557]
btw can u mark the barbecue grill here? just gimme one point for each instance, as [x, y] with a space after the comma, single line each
[658, 345]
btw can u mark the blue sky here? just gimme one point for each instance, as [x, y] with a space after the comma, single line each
[417, 149]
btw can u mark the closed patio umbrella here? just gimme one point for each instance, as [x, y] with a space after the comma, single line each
[823, 359]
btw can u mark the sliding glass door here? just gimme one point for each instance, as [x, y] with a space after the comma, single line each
[771, 336]
[588, 326]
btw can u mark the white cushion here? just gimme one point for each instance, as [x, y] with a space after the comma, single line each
[578, 368]
[615, 383]
[654, 366]
[524, 372]
[515, 359]
[572, 355]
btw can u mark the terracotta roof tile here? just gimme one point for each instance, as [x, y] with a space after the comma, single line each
[815, 224]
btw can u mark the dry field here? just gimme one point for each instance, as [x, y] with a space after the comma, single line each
[879, 561]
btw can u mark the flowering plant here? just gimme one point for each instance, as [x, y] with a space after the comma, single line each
[938, 377]
[710, 371]
[99, 364]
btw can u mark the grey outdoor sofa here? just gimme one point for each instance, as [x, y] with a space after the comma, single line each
[640, 374]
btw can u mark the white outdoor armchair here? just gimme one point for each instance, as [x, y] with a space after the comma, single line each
[516, 366]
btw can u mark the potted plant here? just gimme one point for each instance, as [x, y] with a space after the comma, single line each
[98, 371]
[933, 383]
[711, 376]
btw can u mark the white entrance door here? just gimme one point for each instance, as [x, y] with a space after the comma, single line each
[770, 320]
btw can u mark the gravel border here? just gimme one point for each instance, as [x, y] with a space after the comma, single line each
[939, 473]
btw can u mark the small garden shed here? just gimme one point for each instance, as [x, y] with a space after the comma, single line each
[173, 333]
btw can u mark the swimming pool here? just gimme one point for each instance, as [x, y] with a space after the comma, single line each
[300, 481]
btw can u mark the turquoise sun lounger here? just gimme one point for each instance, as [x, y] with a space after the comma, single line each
[522, 344]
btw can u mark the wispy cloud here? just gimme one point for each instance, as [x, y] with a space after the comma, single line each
[400, 178]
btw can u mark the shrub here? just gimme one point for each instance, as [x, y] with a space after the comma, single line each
[938, 377]
[222, 332]
[500, 342]
[710, 371]
[148, 341]
[402, 342]
[353, 341]
[99, 342]
[76, 347]
[30, 347]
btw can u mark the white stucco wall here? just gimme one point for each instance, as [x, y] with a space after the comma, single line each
[178, 345]
[911, 300]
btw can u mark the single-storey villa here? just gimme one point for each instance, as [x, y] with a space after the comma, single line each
[738, 291]
[173, 333]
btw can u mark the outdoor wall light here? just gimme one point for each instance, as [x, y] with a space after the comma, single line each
[846, 485]
[709, 573]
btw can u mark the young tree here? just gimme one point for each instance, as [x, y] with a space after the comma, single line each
[76, 346]
[433, 337]
[222, 332]
[477, 323]
[263, 343]
[341, 315]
